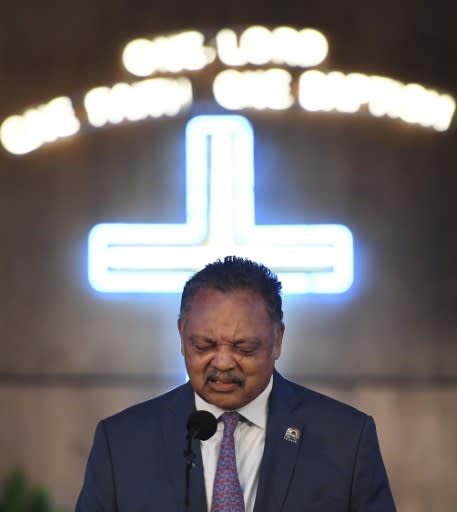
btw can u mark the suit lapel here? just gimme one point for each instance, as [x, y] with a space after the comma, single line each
[280, 453]
[174, 431]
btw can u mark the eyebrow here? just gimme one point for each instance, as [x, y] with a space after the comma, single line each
[197, 337]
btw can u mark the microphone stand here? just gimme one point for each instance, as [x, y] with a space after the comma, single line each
[189, 458]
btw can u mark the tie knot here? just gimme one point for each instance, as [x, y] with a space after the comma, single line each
[230, 420]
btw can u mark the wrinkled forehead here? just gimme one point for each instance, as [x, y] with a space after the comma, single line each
[212, 303]
[242, 298]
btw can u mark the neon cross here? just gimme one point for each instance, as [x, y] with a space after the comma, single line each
[220, 210]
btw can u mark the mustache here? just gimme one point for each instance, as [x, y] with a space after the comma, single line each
[224, 377]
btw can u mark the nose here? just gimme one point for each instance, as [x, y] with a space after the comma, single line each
[223, 359]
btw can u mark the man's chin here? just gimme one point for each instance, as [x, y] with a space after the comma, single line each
[225, 398]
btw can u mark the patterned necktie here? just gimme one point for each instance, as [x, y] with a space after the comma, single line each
[227, 494]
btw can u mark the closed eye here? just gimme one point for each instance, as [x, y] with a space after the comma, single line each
[243, 347]
[204, 345]
[246, 347]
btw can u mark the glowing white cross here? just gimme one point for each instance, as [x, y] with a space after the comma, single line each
[220, 221]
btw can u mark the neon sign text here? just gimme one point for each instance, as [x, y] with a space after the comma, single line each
[175, 53]
[258, 68]
[283, 45]
[256, 45]
[46, 123]
[154, 97]
[269, 89]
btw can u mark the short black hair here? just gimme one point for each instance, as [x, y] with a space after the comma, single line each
[235, 273]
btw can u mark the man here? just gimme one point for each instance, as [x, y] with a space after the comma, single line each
[295, 450]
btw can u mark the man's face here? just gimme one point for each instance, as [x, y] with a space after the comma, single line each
[229, 345]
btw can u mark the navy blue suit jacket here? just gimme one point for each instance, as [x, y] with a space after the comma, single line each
[136, 463]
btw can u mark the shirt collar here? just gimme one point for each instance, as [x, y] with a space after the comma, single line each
[255, 412]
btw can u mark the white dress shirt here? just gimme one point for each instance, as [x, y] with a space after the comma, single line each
[249, 444]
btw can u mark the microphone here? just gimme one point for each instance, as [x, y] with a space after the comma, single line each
[201, 425]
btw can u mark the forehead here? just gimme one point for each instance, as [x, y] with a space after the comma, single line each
[211, 304]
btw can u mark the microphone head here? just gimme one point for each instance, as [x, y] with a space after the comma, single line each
[201, 425]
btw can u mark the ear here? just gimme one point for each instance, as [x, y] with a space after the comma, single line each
[180, 328]
[279, 333]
